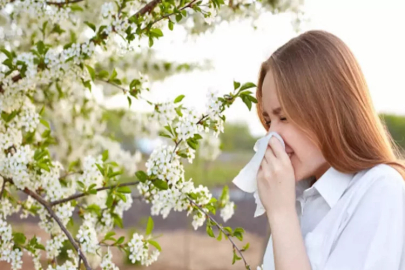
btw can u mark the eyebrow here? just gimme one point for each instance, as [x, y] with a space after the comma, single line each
[276, 111]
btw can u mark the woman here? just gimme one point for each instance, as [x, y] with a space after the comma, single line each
[340, 171]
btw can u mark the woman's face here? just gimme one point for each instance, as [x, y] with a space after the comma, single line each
[307, 159]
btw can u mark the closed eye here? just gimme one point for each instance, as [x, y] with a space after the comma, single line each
[268, 123]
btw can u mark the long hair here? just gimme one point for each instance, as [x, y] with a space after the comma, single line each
[322, 90]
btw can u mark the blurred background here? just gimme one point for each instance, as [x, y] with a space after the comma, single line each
[234, 50]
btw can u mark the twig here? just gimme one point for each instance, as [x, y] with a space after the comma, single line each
[147, 8]
[113, 84]
[48, 207]
[80, 262]
[168, 15]
[223, 231]
[79, 195]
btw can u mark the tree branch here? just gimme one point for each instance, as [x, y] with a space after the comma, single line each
[223, 231]
[113, 84]
[48, 207]
[168, 15]
[79, 195]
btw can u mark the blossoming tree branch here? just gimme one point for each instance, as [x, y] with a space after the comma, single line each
[56, 156]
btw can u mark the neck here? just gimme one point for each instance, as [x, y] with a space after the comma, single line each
[321, 170]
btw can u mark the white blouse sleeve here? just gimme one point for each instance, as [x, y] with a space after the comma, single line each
[374, 236]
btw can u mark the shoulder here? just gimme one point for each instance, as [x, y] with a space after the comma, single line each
[382, 184]
[384, 176]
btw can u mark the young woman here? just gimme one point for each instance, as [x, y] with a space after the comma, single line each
[335, 198]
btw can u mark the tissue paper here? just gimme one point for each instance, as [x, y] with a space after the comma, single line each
[246, 179]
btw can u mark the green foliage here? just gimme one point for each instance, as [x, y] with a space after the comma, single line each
[396, 126]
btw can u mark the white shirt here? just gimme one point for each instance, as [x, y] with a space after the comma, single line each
[352, 221]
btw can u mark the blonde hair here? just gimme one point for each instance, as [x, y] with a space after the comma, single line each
[322, 89]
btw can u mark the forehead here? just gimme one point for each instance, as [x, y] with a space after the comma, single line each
[269, 94]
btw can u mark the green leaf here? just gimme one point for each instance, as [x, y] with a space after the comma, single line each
[100, 168]
[76, 7]
[43, 166]
[87, 84]
[92, 26]
[171, 24]
[94, 208]
[245, 247]
[156, 32]
[179, 17]
[45, 123]
[251, 98]
[247, 86]
[197, 136]
[129, 102]
[118, 221]
[209, 231]
[105, 155]
[19, 238]
[149, 226]
[178, 111]
[236, 85]
[160, 184]
[124, 189]
[219, 238]
[155, 244]
[179, 98]
[113, 75]
[247, 102]
[91, 72]
[122, 197]
[120, 240]
[109, 201]
[103, 74]
[163, 134]
[192, 144]
[41, 47]
[142, 176]
[109, 235]
[7, 53]
[235, 257]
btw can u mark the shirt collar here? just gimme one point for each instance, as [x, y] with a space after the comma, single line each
[331, 186]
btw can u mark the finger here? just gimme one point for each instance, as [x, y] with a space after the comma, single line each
[270, 157]
[277, 148]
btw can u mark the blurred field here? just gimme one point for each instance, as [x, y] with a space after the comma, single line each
[181, 249]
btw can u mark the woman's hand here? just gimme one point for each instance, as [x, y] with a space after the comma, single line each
[276, 180]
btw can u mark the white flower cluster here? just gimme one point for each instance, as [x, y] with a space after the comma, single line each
[6, 207]
[15, 165]
[227, 211]
[87, 235]
[139, 251]
[214, 110]
[107, 263]
[40, 8]
[108, 9]
[165, 165]
[91, 174]
[7, 253]
[28, 118]
[70, 264]
[165, 113]
[50, 182]
[187, 125]
[54, 245]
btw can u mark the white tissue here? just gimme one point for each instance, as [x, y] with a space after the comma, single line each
[246, 179]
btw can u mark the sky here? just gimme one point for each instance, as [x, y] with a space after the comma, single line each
[374, 31]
